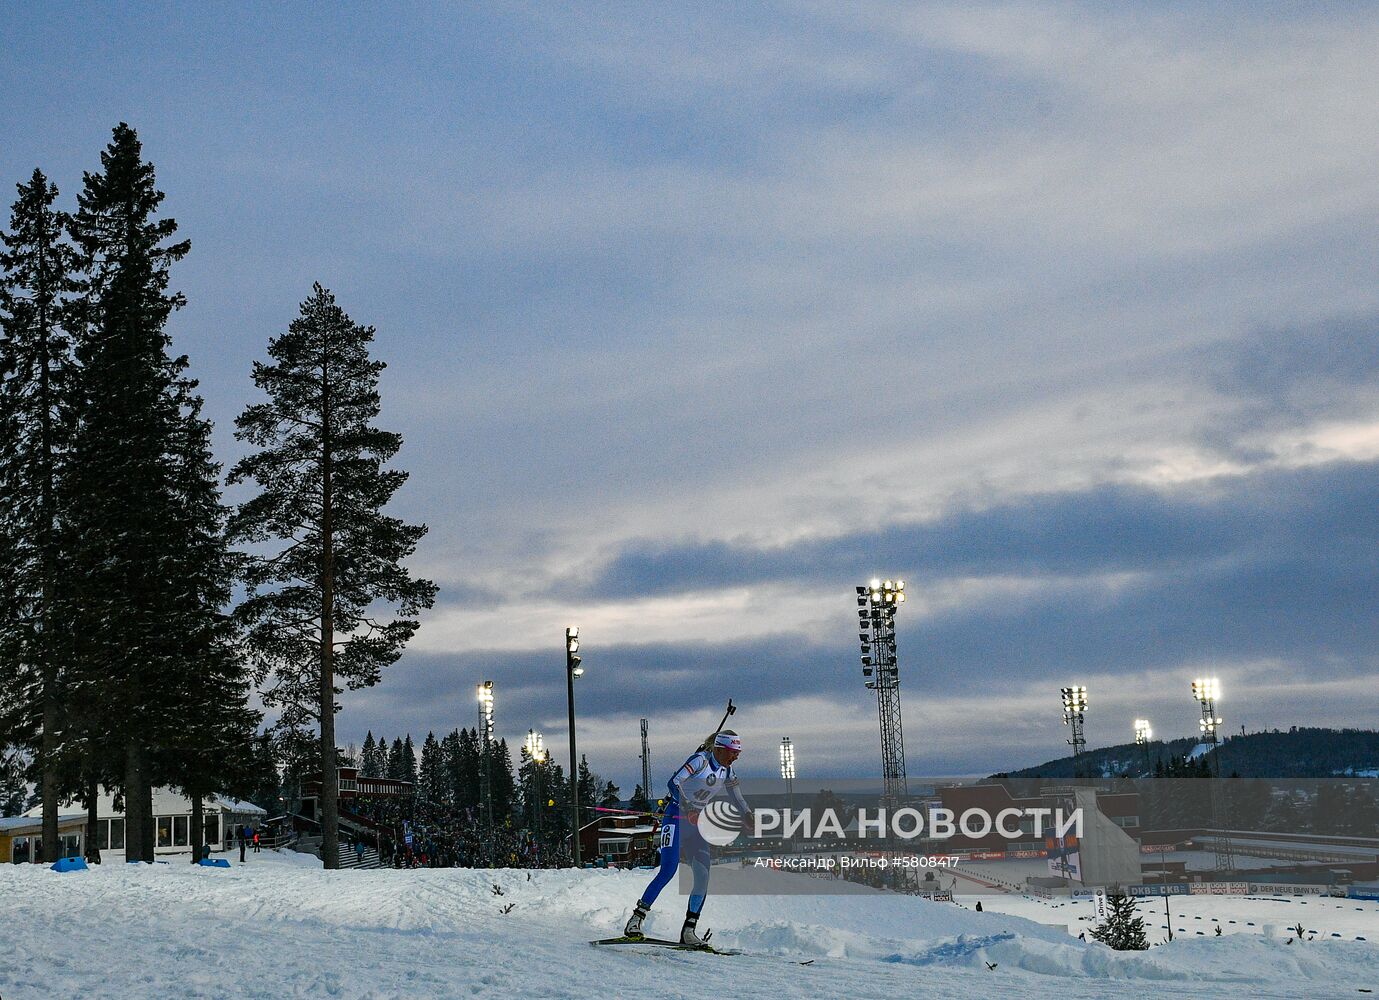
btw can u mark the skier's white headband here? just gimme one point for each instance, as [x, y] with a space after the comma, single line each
[729, 741]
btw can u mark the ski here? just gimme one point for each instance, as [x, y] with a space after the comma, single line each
[663, 943]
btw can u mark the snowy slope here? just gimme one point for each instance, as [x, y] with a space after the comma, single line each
[281, 927]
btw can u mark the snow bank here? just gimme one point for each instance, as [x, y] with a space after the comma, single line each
[282, 927]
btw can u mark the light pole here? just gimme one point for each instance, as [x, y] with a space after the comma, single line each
[536, 750]
[485, 694]
[1074, 705]
[573, 670]
[1206, 691]
[1143, 734]
[876, 607]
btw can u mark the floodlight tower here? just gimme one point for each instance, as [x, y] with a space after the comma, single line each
[1074, 707]
[1206, 691]
[876, 607]
[1143, 734]
[536, 750]
[646, 764]
[573, 670]
[485, 692]
[787, 769]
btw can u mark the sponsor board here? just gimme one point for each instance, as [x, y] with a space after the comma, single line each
[1024, 854]
[1083, 893]
[1040, 891]
[938, 897]
[1101, 909]
[1220, 889]
[1158, 848]
[1167, 889]
[1287, 889]
[988, 855]
[1363, 892]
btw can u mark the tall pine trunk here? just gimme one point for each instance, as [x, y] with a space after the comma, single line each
[50, 778]
[198, 830]
[93, 789]
[330, 776]
[133, 804]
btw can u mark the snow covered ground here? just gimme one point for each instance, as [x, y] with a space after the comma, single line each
[281, 927]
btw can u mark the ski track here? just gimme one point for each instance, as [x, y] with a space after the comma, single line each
[281, 927]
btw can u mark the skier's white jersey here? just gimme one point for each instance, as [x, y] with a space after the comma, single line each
[702, 779]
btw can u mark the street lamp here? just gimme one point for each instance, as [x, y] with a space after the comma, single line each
[573, 670]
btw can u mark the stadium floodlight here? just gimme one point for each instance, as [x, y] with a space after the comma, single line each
[876, 607]
[1206, 691]
[787, 769]
[787, 759]
[1074, 700]
[573, 670]
[535, 745]
[1143, 734]
[485, 693]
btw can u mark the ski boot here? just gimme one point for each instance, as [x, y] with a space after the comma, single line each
[688, 934]
[634, 922]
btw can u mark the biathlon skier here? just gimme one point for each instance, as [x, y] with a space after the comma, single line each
[707, 775]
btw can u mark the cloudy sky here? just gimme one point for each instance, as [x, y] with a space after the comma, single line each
[697, 318]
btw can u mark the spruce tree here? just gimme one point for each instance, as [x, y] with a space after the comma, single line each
[123, 509]
[397, 767]
[502, 782]
[369, 765]
[313, 608]
[36, 368]
[432, 787]
[610, 795]
[1122, 930]
[408, 770]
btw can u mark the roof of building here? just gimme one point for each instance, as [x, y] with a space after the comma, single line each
[11, 825]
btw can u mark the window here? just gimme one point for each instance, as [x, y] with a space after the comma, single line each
[117, 834]
[21, 850]
[180, 826]
[163, 824]
[612, 846]
[213, 828]
[103, 835]
[71, 844]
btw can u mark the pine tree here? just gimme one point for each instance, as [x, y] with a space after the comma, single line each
[123, 507]
[610, 795]
[312, 611]
[639, 799]
[369, 766]
[1123, 930]
[36, 370]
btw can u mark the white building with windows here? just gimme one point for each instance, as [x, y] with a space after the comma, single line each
[172, 817]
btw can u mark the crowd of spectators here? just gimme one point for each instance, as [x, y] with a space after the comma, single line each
[411, 833]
